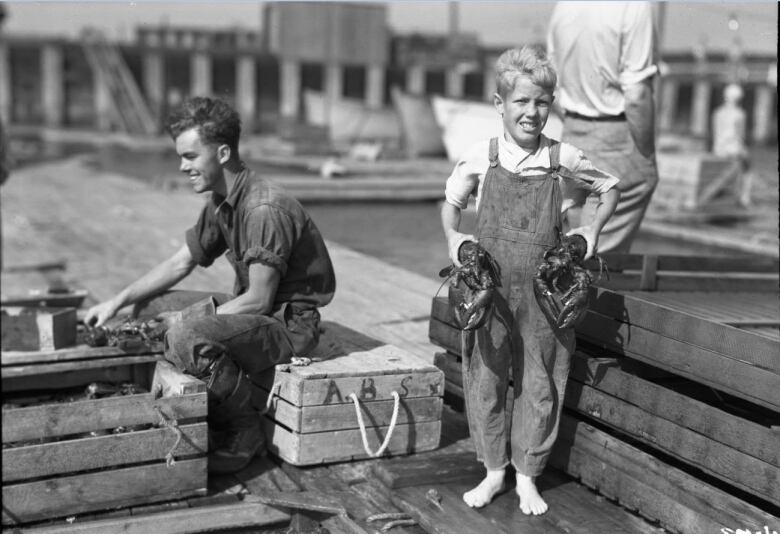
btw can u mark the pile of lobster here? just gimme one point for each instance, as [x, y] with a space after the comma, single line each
[130, 335]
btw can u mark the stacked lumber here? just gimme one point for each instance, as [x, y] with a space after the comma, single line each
[672, 405]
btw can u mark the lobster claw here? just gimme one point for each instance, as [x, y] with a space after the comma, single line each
[548, 302]
[447, 271]
[571, 315]
[471, 309]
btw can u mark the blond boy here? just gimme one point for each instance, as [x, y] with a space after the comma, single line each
[523, 182]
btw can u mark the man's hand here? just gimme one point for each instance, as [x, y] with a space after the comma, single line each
[98, 314]
[591, 235]
[454, 241]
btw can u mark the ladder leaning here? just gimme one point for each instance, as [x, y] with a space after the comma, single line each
[128, 108]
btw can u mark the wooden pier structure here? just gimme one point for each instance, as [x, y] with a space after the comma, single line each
[343, 49]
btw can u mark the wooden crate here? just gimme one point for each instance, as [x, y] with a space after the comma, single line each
[690, 181]
[32, 329]
[312, 418]
[67, 458]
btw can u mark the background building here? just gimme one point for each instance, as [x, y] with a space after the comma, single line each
[345, 50]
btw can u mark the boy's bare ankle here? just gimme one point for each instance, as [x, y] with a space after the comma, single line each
[531, 502]
[481, 495]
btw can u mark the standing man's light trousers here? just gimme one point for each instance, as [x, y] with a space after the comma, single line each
[609, 145]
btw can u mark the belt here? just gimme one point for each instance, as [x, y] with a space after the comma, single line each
[602, 118]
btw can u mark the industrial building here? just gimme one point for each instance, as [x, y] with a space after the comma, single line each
[342, 49]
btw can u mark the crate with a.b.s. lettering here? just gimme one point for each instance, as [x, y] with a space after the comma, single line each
[359, 399]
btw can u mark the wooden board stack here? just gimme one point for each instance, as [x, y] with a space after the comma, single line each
[312, 416]
[67, 453]
[672, 406]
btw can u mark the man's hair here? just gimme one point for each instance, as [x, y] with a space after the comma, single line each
[531, 61]
[216, 121]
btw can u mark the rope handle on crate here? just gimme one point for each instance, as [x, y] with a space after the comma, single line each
[393, 419]
[173, 424]
[277, 387]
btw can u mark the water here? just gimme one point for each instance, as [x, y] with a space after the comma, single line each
[409, 235]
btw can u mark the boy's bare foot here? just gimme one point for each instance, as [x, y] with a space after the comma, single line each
[487, 489]
[530, 500]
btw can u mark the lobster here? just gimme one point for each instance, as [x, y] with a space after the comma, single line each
[561, 284]
[474, 282]
[130, 335]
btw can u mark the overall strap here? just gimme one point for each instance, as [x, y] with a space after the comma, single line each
[555, 155]
[493, 153]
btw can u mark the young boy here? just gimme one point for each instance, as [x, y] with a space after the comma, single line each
[521, 202]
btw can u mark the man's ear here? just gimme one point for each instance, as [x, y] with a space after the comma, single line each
[223, 153]
[499, 103]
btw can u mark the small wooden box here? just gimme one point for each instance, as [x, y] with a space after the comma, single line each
[313, 420]
[690, 181]
[65, 458]
[38, 328]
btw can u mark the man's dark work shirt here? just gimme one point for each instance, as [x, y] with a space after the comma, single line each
[260, 222]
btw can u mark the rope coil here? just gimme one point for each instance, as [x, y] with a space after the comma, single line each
[386, 442]
[173, 424]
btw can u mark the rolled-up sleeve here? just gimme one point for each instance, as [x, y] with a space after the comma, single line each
[270, 236]
[465, 178]
[205, 240]
[581, 177]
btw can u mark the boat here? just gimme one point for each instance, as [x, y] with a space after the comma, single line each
[350, 121]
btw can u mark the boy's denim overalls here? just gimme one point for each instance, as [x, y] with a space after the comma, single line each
[518, 218]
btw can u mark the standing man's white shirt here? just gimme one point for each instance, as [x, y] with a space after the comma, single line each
[599, 69]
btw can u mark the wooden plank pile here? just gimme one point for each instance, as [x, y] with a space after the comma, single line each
[358, 399]
[672, 406]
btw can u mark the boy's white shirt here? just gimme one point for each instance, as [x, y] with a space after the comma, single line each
[473, 165]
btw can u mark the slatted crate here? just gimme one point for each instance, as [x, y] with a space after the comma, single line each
[312, 419]
[72, 457]
[691, 181]
[672, 402]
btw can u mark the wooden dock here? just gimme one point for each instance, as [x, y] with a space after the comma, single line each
[98, 231]
[108, 229]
